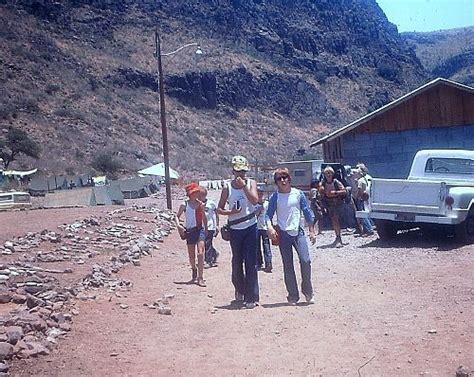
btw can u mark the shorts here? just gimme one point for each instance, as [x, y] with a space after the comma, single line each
[335, 210]
[194, 235]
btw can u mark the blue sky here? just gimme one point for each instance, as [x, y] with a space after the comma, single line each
[428, 15]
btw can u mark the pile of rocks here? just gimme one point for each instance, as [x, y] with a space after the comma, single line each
[42, 309]
[41, 314]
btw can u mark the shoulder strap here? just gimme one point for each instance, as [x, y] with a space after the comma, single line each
[242, 219]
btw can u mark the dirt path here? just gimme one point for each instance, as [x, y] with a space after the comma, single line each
[400, 309]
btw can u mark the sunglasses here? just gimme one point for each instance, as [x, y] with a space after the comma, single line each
[282, 178]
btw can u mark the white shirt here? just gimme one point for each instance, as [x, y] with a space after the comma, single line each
[289, 212]
[190, 214]
[238, 198]
[261, 221]
[210, 209]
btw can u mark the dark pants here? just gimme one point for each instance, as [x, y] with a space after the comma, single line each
[210, 253]
[244, 257]
[262, 239]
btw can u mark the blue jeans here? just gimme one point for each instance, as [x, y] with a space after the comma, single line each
[243, 243]
[366, 224]
[262, 238]
[300, 244]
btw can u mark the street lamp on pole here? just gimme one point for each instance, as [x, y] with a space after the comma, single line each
[164, 131]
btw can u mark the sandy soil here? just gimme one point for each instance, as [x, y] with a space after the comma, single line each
[403, 308]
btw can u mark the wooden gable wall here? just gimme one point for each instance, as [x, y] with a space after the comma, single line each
[440, 106]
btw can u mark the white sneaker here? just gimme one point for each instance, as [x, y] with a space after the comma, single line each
[250, 305]
[310, 299]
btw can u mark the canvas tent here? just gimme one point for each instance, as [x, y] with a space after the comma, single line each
[159, 170]
[88, 196]
[137, 187]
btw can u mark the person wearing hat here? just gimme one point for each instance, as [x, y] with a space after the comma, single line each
[237, 201]
[363, 188]
[194, 230]
[289, 204]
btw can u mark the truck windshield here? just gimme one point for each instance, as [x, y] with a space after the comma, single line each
[450, 165]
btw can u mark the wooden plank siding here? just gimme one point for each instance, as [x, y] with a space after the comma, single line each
[440, 106]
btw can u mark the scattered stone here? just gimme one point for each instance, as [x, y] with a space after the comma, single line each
[4, 367]
[18, 299]
[166, 310]
[123, 306]
[462, 371]
[432, 331]
[14, 334]
[5, 297]
[6, 351]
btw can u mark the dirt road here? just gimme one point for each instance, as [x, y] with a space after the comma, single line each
[399, 309]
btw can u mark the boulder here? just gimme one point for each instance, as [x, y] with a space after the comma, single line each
[6, 351]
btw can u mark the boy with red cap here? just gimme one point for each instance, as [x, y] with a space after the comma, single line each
[194, 230]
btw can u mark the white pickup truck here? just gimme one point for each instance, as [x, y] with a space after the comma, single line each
[439, 192]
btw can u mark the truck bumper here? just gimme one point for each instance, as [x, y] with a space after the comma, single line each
[410, 218]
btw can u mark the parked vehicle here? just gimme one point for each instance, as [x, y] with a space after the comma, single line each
[439, 192]
[302, 172]
[14, 199]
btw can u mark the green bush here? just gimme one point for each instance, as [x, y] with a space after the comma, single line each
[105, 163]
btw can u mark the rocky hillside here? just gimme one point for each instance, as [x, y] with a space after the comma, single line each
[80, 77]
[446, 53]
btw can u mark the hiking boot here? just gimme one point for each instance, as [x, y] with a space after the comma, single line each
[309, 299]
[268, 268]
[195, 275]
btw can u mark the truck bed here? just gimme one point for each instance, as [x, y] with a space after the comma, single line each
[399, 195]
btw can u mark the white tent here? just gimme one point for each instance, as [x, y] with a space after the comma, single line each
[159, 169]
[18, 173]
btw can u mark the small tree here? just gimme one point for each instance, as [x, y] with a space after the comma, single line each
[17, 142]
[105, 163]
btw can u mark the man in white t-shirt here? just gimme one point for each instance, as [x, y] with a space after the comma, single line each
[362, 200]
[210, 209]
[289, 204]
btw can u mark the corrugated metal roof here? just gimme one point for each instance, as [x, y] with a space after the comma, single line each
[390, 105]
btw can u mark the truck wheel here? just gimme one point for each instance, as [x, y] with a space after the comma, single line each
[385, 229]
[465, 230]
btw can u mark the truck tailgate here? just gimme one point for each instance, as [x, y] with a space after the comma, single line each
[399, 195]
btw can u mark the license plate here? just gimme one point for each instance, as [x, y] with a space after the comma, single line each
[405, 216]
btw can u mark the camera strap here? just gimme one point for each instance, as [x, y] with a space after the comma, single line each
[242, 219]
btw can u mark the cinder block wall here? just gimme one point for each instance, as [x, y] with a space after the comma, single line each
[389, 154]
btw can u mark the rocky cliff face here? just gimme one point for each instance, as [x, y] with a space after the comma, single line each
[446, 53]
[275, 75]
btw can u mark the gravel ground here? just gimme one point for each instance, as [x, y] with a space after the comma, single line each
[400, 308]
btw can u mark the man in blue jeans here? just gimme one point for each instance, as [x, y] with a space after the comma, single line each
[363, 189]
[289, 203]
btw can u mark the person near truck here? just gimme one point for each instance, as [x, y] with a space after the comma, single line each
[290, 204]
[363, 189]
[333, 193]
